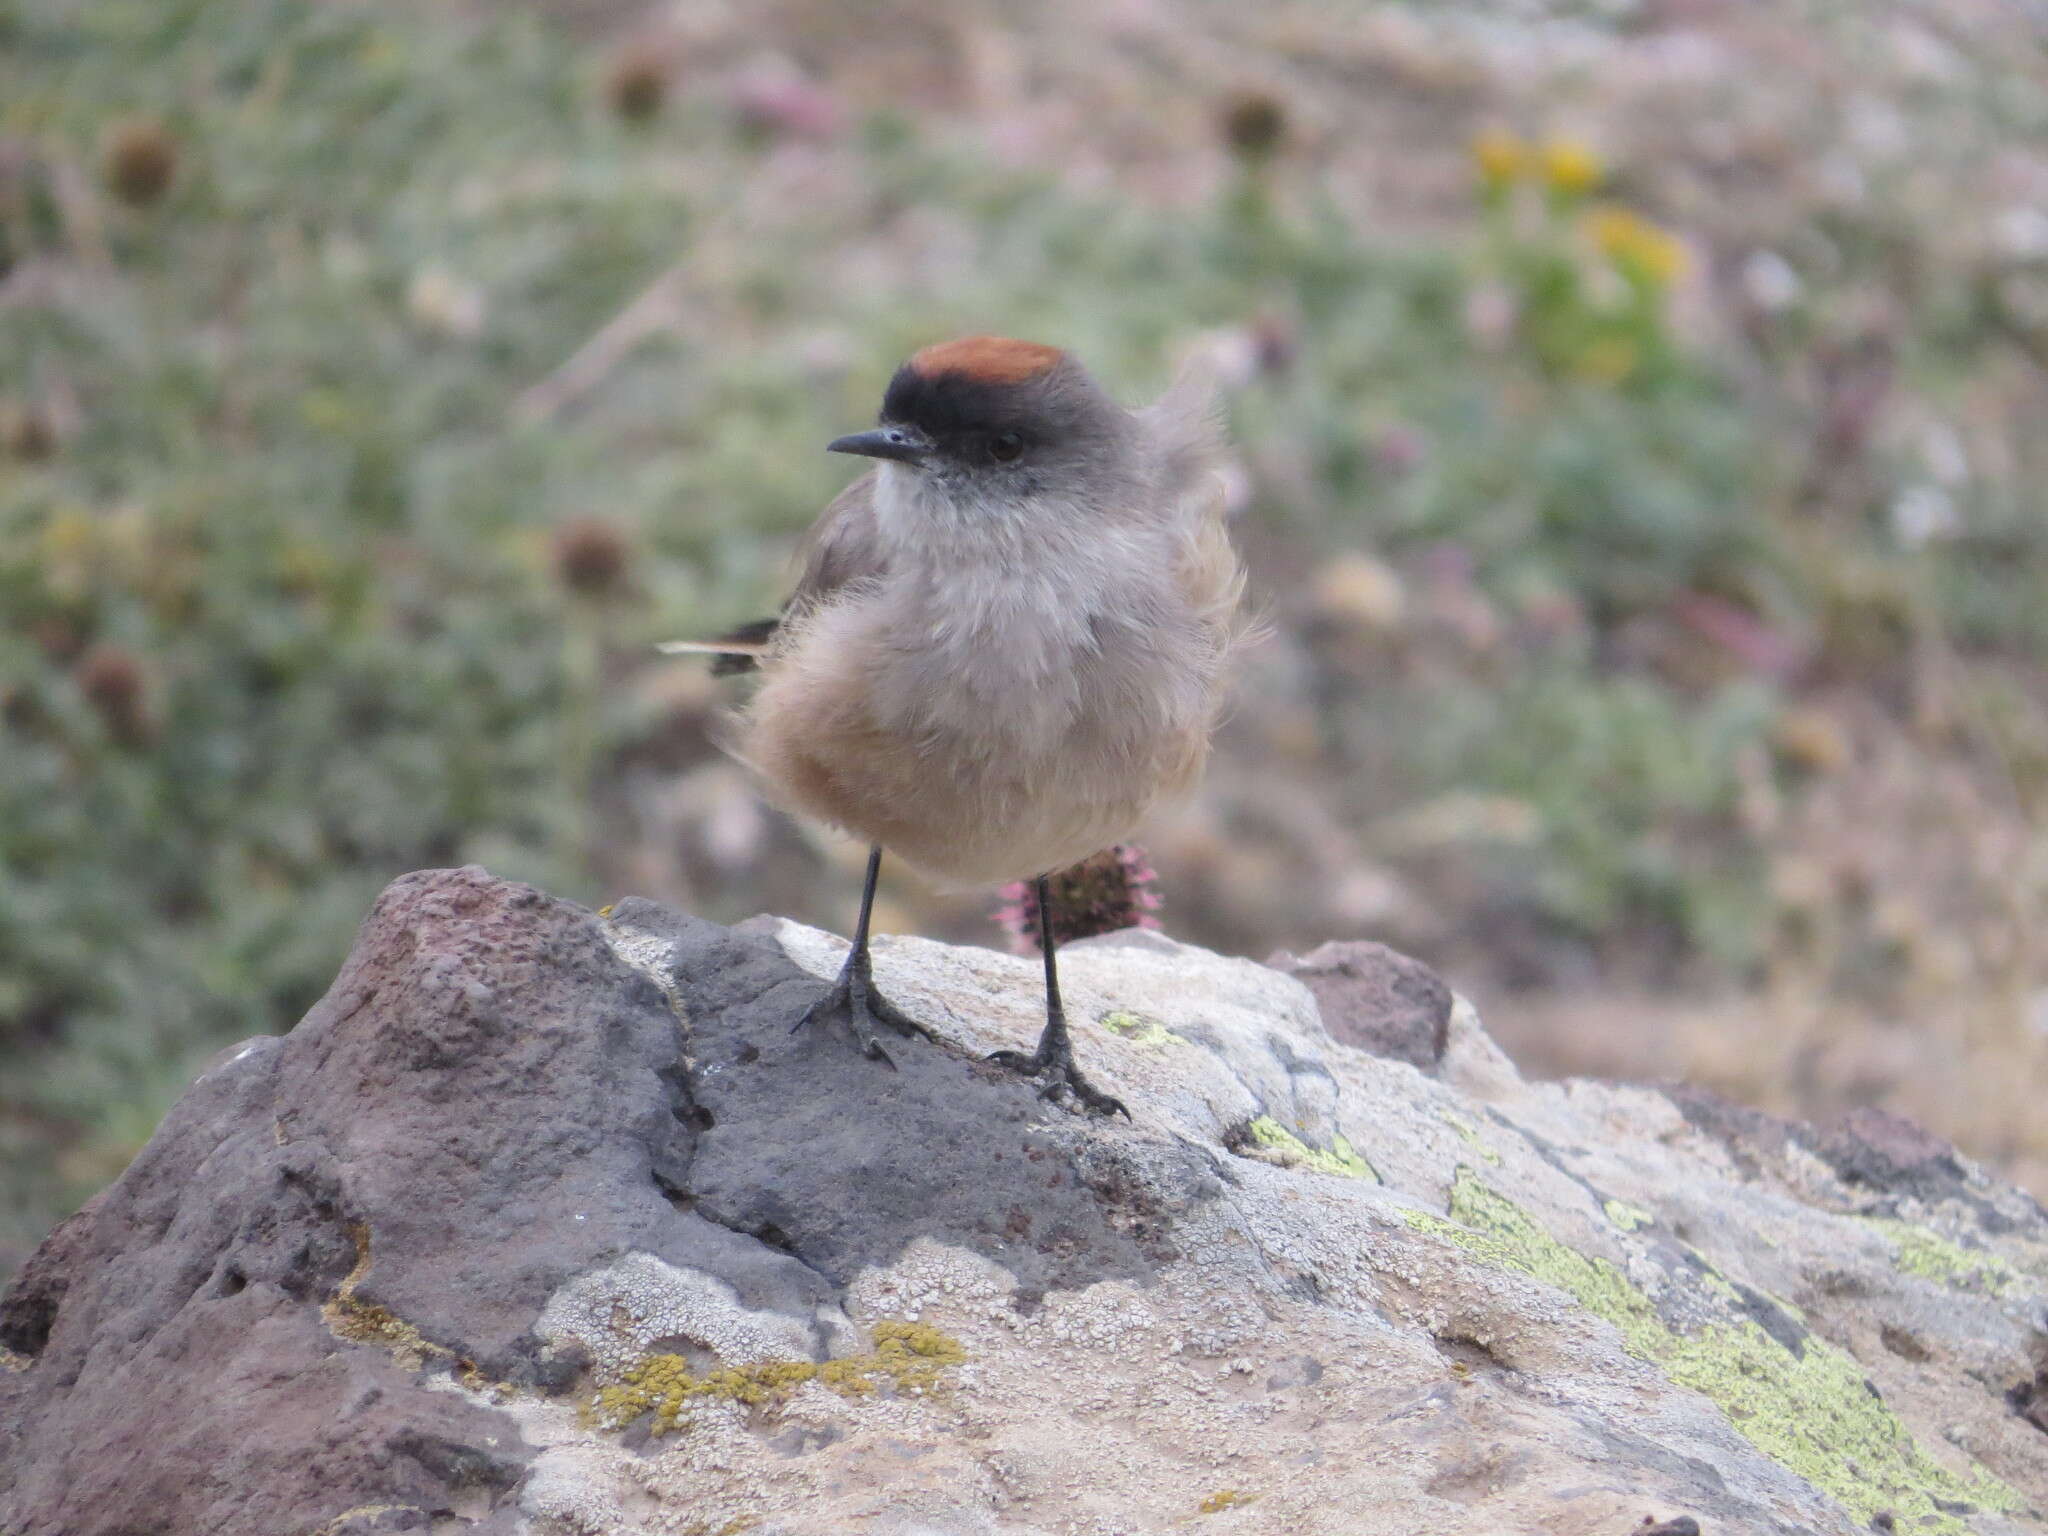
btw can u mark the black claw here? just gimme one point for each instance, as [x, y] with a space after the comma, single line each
[1057, 1075]
[854, 996]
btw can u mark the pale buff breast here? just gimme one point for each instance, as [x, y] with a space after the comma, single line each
[1010, 703]
[967, 781]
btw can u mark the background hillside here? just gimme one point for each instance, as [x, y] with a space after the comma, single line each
[1638, 408]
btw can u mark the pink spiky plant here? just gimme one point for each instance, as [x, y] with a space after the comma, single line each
[1111, 891]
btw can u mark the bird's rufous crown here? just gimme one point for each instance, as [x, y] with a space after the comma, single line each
[986, 359]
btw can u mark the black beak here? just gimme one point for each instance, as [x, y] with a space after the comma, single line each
[904, 444]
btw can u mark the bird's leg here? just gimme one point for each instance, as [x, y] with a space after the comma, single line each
[854, 992]
[1053, 1062]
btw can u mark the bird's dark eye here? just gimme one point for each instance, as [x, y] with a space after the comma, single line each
[1005, 447]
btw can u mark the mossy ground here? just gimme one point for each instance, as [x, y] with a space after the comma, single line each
[907, 1358]
[1812, 1411]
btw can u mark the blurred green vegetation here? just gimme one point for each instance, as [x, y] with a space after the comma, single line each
[303, 583]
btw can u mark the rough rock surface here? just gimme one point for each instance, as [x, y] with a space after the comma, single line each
[1376, 998]
[546, 1222]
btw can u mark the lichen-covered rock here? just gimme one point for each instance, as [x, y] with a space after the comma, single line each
[547, 1222]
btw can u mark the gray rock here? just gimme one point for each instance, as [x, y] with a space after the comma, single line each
[546, 1222]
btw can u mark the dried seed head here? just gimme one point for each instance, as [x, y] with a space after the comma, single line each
[114, 684]
[139, 160]
[637, 84]
[591, 557]
[26, 432]
[1254, 125]
[58, 637]
[1276, 342]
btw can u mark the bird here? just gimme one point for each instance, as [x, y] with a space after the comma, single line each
[1008, 641]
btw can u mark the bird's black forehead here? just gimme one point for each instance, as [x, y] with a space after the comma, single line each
[946, 404]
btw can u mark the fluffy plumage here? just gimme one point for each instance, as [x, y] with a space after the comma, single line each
[993, 667]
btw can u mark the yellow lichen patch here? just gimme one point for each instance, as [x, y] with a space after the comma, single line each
[1140, 1029]
[1469, 1134]
[1625, 1216]
[1270, 1141]
[367, 1513]
[1933, 1257]
[1811, 1411]
[355, 1321]
[1225, 1498]
[367, 1323]
[908, 1357]
[10, 1361]
[364, 1322]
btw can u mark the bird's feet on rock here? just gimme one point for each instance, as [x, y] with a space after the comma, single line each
[866, 1011]
[1052, 1066]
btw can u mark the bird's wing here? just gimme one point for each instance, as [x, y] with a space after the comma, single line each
[841, 548]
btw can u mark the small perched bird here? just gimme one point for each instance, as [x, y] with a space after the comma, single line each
[1007, 643]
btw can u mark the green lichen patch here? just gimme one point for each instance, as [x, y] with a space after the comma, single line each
[1269, 1140]
[1625, 1216]
[1933, 1257]
[908, 1357]
[1812, 1412]
[1469, 1134]
[1140, 1029]
[1713, 1280]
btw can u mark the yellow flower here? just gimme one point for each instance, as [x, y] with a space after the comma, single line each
[1500, 156]
[1639, 248]
[1570, 167]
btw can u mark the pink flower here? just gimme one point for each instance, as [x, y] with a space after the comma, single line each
[1109, 892]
